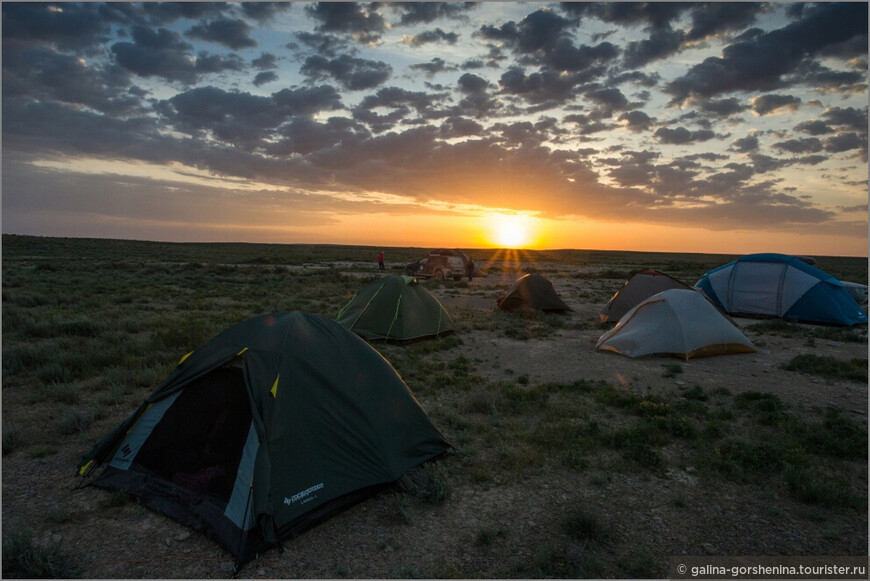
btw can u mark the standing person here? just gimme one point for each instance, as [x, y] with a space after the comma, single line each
[381, 260]
[469, 268]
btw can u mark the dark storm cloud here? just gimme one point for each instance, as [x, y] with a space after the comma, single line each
[636, 121]
[77, 26]
[807, 145]
[351, 73]
[426, 12]
[436, 65]
[264, 77]
[762, 63]
[436, 35]
[232, 33]
[349, 17]
[770, 103]
[682, 136]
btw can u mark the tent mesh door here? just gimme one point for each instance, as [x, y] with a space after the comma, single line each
[198, 443]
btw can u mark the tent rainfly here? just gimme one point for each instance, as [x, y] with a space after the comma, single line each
[534, 292]
[642, 285]
[395, 308]
[265, 430]
[778, 285]
[678, 323]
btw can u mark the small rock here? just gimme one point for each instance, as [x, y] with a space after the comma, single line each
[690, 469]
[168, 541]
[708, 548]
[261, 571]
[226, 566]
[183, 536]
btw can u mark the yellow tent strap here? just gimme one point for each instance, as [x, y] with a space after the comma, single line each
[274, 390]
[185, 357]
[85, 467]
[242, 351]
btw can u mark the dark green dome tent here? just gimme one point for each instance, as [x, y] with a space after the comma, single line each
[534, 292]
[395, 308]
[265, 430]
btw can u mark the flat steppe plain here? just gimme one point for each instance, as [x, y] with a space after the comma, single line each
[569, 462]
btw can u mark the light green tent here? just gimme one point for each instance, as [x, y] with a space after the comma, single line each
[395, 308]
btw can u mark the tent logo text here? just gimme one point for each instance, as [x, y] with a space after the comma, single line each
[300, 495]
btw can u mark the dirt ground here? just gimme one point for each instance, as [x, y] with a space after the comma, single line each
[373, 539]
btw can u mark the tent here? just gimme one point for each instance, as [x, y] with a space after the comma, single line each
[676, 322]
[395, 308]
[535, 292]
[265, 430]
[778, 285]
[642, 285]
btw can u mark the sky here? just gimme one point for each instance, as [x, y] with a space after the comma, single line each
[729, 127]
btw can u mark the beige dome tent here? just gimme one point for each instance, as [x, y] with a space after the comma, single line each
[676, 322]
[636, 289]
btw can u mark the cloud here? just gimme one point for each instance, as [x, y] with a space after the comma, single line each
[426, 12]
[806, 145]
[265, 61]
[352, 73]
[436, 65]
[682, 136]
[661, 44]
[429, 36]
[845, 142]
[232, 33]
[265, 77]
[350, 17]
[636, 121]
[75, 27]
[766, 104]
[162, 53]
[745, 144]
[762, 62]
[813, 127]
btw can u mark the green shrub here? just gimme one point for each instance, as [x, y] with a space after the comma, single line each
[23, 559]
[581, 524]
[12, 438]
[812, 487]
[426, 484]
[829, 367]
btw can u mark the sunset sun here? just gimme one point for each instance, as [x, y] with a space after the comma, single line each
[510, 230]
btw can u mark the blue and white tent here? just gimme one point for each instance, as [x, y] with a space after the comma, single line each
[778, 285]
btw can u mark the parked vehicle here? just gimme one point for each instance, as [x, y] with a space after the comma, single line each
[440, 263]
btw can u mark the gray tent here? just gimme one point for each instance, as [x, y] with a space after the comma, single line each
[637, 289]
